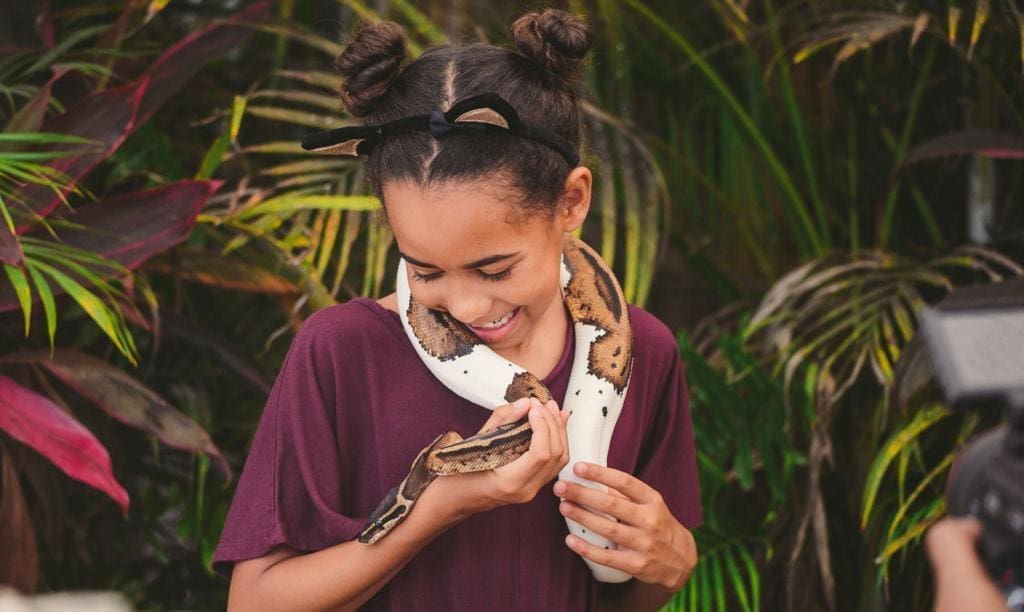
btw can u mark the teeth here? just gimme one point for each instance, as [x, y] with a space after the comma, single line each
[499, 322]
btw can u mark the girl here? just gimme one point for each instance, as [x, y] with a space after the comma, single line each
[479, 217]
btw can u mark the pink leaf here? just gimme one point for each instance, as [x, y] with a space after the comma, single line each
[986, 143]
[106, 118]
[30, 116]
[110, 116]
[133, 227]
[176, 66]
[10, 249]
[128, 400]
[39, 423]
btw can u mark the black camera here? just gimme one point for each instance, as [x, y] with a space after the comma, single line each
[975, 338]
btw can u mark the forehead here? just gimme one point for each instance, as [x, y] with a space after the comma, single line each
[458, 221]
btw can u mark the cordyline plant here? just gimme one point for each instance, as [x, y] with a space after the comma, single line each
[50, 251]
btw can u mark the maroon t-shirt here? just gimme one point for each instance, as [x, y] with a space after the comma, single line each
[352, 407]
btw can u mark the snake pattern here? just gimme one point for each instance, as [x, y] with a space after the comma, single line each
[600, 374]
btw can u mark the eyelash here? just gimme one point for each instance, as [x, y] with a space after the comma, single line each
[494, 278]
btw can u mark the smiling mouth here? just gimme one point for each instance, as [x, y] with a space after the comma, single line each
[499, 322]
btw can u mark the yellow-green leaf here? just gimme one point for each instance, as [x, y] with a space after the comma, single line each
[953, 20]
[319, 100]
[293, 203]
[104, 317]
[921, 487]
[46, 297]
[304, 118]
[321, 78]
[423, 24]
[22, 290]
[155, 6]
[274, 148]
[237, 111]
[924, 419]
[980, 17]
[914, 532]
[306, 166]
[214, 155]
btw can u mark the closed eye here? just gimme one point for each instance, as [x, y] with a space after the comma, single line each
[497, 276]
[426, 278]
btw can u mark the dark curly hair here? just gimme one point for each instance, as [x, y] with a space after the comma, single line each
[539, 79]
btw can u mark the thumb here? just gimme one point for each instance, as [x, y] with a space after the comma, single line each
[509, 413]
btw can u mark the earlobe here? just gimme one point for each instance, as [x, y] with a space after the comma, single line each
[576, 198]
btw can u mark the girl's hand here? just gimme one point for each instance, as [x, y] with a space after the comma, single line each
[519, 481]
[653, 546]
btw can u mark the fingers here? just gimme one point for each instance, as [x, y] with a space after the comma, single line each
[548, 451]
[509, 413]
[598, 501]
[557, 440]
[624, 535]
[520, 480]
[563, 419]
[622, 560]
[627, 484]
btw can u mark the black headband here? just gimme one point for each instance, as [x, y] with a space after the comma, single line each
[479, 115]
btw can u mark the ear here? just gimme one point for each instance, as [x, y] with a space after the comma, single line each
[575, 203]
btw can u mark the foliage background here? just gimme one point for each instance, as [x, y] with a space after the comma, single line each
[785, 183]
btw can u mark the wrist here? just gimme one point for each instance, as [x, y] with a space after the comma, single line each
[448, 501]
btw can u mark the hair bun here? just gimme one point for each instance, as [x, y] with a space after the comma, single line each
[554, 39]
[370, 62]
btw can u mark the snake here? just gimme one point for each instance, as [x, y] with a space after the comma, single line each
[598, 381]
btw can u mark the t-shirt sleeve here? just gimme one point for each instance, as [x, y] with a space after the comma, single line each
[291, 488]
[668, 458]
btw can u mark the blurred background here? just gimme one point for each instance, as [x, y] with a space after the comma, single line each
[785, 183]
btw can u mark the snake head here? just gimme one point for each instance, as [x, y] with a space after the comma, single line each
[388, 514]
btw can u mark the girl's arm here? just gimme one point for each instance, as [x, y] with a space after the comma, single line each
[346, 575]
[343, 576]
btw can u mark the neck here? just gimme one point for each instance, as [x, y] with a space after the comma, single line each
[540, 352]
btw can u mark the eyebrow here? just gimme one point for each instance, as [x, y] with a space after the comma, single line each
[480, 263]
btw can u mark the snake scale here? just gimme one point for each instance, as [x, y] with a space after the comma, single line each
[600, 374]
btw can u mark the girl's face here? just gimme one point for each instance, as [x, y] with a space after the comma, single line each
[472, 255]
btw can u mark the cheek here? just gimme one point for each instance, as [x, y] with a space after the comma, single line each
[427, 294]
[543, 283]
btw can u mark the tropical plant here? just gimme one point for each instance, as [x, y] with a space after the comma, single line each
[810, 167]
[746, 459]
[824, 325]
[49, 247]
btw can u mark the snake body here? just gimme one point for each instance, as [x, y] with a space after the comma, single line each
[602, 365]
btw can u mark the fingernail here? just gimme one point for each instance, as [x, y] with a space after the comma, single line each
[552, 406]
[560, 488]
[521, 403]
[534, 402]
[580, 468]
[570, 540]
[564, 508]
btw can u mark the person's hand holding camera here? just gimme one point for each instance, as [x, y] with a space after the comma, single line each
[961, 581]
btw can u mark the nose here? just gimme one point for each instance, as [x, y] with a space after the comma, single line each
[467, 305]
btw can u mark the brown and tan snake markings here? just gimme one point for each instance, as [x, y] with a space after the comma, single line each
[400, 499]
[441, 336]
[484, 451]
[525, 384]
[610, 313]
